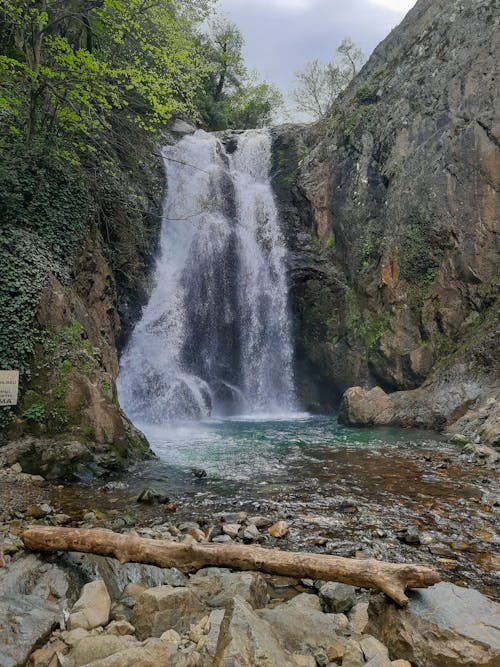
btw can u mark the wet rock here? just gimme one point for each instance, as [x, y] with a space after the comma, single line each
[443, 626]
[149, 496]
[410, 536]
[39, 511]
[301, 625]
[32, 600]
[279, 529]
[337, 598]
[165, 607]
[199, 473]
[93, 607]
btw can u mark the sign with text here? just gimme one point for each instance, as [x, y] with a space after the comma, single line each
[9, 387]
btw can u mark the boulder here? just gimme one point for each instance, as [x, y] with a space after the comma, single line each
[337, 598]
[95, 647]
[247, 640]
[93, 607]
[442, 626]
[151, 653]
[164, 608]
[217, 587]
[33, 597]
[278, 529]
[353, 656]
[301, 625]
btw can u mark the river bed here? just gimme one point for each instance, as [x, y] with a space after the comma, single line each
[400, 495]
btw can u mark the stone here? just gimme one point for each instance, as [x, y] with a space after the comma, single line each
[358, 618]
[165, 607]
[442, 626]
[372, 647]
[47, 656]
[379, 660]
[231, 529]
[149, 496]
[217, 587]
[151, 653]
[212, 637]
[353, 656]
[72, 637]
[171, 636]
[301, 626]
[181, 127]
[278, 529]
[120, 628]
[94, 648]
[39, 511]
[337, 598]
[336, 650]
[197, 631]
[247, 640]
[32, 603]
[400, 663]
[221, 539]
[252, 534]
[197, 534]
[259, 521]
[93, 607]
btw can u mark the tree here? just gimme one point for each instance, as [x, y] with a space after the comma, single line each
[318, 84]
[233, 97]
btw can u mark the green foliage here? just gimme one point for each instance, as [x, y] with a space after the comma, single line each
[35, 413]
[419, 260]
[331, 242]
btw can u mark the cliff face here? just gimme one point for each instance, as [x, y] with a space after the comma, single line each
[392, 214]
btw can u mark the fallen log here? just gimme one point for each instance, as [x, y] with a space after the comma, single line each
[391, 578]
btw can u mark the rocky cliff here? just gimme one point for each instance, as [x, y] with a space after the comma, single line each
[391, 208]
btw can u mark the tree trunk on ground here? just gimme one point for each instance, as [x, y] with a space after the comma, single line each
[391, 578]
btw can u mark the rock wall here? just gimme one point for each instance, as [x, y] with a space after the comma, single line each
[391, 208]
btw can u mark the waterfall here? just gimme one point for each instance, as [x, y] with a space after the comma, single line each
[215, 337]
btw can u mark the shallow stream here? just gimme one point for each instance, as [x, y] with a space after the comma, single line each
[345, 491]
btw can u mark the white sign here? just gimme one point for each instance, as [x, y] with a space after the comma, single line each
[9, 387]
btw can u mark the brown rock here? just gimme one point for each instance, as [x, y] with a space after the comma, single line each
[164, 608]
[279, 529]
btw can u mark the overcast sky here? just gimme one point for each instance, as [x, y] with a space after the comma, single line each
[282, 35]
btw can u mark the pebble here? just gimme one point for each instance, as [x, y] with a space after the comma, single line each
[278, 529]
[221, 539]
[251, 534]
[231, 529]
[171, 636]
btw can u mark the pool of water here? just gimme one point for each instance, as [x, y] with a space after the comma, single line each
[345, 491]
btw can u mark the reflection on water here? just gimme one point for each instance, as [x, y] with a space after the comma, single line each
[357, 488]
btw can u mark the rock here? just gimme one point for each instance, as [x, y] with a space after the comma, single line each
[149, 496]
[151, 653]
[48, 655]
[247, 640]
[336, 650]
[301, 626]
[231, 529]
[366, 406]
[32, 601]
[217, 587]
[171, 636]
[410, 535]
[337, 598]
[233, 517]
[197, 534]
[165, 607]
[199, 473]
[16, 468]
[400, 663]
[443, 626]
[197, 631]
[459, 439]
[39, 511]
[120, 628]
[379, 660]
[353, 656]
[93, 607]
[72, 637]
[278, 529]
[96, 647]
[358, 618]
[181, 127]
[259, 521]
[251, 534]
[221, 539]
[212, 637]
[371, 647]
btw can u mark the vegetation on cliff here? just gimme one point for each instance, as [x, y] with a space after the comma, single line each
[86, 89]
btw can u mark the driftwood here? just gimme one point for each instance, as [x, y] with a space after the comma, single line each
[391, 578]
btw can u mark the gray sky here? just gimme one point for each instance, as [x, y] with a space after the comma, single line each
[282, 35]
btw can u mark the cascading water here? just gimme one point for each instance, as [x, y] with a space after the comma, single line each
[215, 337]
